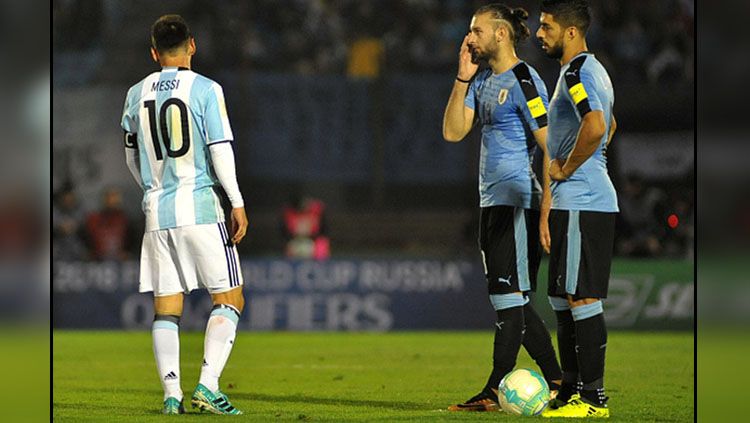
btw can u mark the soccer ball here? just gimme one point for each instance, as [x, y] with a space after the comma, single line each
[523, 392]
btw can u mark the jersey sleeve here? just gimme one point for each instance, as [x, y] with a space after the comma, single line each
[216, 118]
[129, 126]
[532, 101]
[582, 88]
[471, 94]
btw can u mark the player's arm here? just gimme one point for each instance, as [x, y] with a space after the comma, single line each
[131, 157]
[222, 158]
[540, 135]
[219, 137]
[582, 92]
[459, 118]
[588, 140]
[612, 129]
[130, 139]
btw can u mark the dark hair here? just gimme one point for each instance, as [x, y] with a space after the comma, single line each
[515, 17]
[169, 32]
[569, 13]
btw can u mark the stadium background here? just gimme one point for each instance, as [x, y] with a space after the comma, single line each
[343, 101]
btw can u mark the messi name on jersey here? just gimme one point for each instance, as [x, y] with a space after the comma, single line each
[165, 85]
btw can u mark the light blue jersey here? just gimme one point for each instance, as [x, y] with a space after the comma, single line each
[171, 117]
[509, 106]
[583, 86]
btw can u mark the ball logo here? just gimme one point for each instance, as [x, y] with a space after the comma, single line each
[502, 96]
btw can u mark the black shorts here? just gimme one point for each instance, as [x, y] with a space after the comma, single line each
[509, 242]
[581, 253]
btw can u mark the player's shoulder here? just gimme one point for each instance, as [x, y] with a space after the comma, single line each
[585, 63]
[528, 80]
[135, 91]
[203, 82]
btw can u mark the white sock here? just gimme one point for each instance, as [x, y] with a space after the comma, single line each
[167, 352]
[220, 334]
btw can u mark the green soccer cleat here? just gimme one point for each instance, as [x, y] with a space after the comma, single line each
[173, 406]
[577, 408]
[215, 402]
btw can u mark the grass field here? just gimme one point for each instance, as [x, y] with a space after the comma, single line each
[411, 376]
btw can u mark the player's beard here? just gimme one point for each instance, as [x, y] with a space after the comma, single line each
[555, 51]
[476, 56]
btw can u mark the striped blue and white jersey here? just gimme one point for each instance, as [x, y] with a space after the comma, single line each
[171, 117]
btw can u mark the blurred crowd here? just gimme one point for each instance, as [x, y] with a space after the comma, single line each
[654, 222]
[106, 233]
[640, 41]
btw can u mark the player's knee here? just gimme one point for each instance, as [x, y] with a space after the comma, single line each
[168, 305]
[232, 297]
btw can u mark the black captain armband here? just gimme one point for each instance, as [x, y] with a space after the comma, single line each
[131, 140]
[533, 100]
[575, 86]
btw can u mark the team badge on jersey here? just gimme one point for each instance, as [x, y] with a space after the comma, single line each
[502, 96]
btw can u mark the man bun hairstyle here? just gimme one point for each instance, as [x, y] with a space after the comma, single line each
[514, 17]
[569, 13]
[169, 32]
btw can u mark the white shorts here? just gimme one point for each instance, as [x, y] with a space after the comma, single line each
[189, 257]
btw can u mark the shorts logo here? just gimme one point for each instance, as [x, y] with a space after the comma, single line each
[502, 96]
[503, 280]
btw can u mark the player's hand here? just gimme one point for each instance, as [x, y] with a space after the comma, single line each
[544, 236]
[466, 69]
[239, 224]
[556, 171]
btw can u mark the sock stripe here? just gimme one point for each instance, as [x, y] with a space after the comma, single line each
[559, 304]
[165, 324]
[587, 310]
[227, 311]
[505, 301]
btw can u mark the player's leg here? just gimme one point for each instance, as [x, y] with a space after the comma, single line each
[166, 340]
[566, 342]
[591, 237]
[497, 245]
[221, 330]
[159, 274]
[536, 337]
[215, 264]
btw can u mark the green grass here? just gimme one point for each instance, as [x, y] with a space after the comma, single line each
[407, 376]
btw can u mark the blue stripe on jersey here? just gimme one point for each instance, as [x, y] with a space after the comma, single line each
[522, 254]
[134, 99]
[204, 199]
[573, 258]
[169, 179]
[214, 124]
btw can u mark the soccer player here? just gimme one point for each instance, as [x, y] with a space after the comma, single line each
[584, 205]
[510, 101]
[178, 146]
